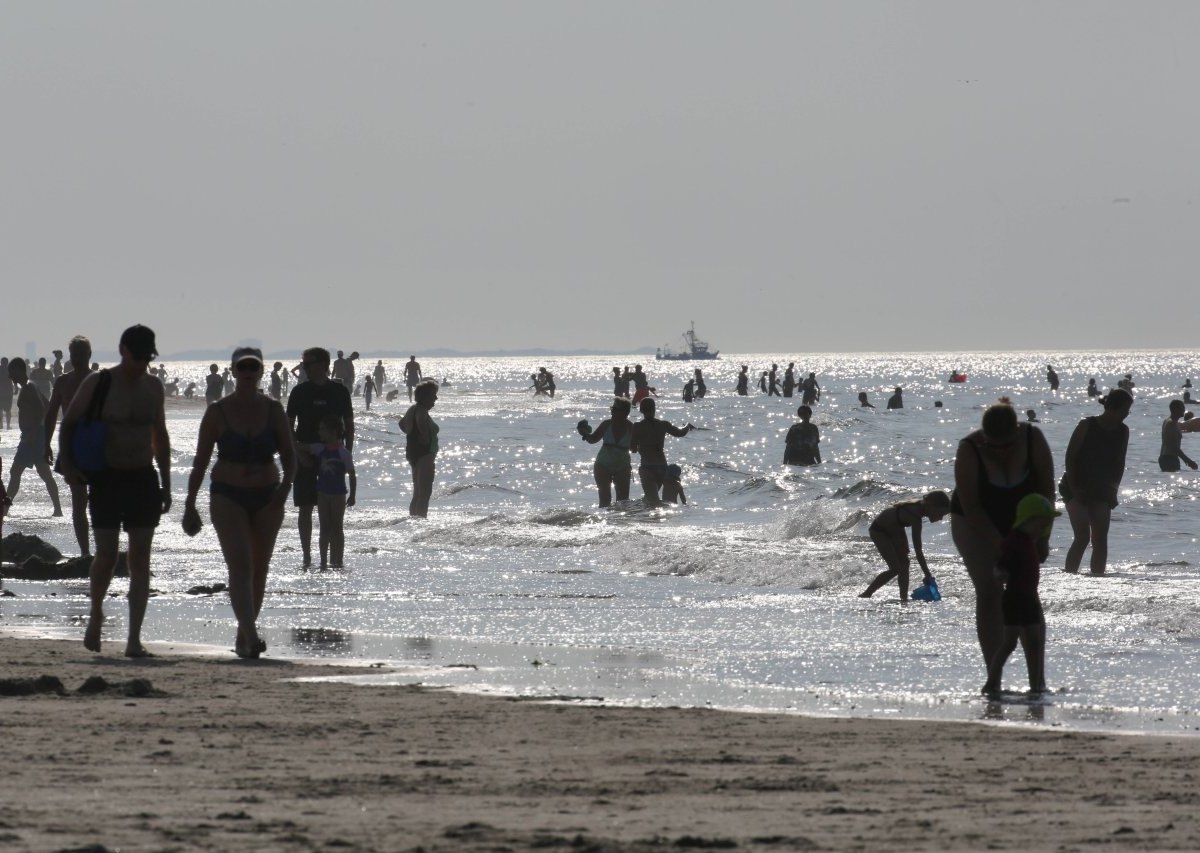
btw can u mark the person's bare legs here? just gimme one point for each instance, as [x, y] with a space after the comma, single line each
[337, 530]
[79, 518]
[422, 472]
[897, 566]
[651, 484]
[996, 665]
[47, 476]
[100, 576]
[621, 483]
[1081, 529]
[304, 526]
[604, 481]
[1033, 640]
[1099, 519]
[980, 560]
[267, 522]
[138, 560]
[14, 480]
[234, 533]
[325, 527]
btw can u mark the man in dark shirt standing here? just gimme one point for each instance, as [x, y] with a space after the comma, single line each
[307, 404]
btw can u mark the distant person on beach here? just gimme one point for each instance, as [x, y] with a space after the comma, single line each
[42, 379]
[300, 374]
[368, 390]
[649, 436]
[641, 385]
[393, 394]
[246, 493]
[689, 390]
[1091, 480]
[802, 445]
[896, 401]
[379, 375]
[701, 388]
[613, 467]
[1187, 397]
[412, 375]
[1126, 383]
[228, 385]
[762, 382]
[887, 532]
[31, 449]
[56, 369]
[1031, 416]
[1019, 566]
[342, 371]
[190, 391]
[308, 403]
[863, 402]
[65, 388]
[6, 394]
[1092, 390]
[547, 379]
[421, 445]
[276, 386]
[811, 389]
[743, 381]
[1171, 451]
[214, 385]
[620, 382]
[335, 465]
[773, 381]
[1052, 378]
[994, 468]
[129, 492]
[537, 386]
[789, 379]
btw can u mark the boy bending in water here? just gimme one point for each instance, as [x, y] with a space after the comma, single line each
[1018, 566]
[887, 532]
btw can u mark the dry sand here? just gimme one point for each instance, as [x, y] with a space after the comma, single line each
[233, 755]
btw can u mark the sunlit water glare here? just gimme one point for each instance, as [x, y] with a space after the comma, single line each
[745, 598]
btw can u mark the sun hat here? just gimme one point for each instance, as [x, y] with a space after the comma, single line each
[1034, 506]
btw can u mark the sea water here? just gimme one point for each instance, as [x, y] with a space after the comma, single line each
[747, 597]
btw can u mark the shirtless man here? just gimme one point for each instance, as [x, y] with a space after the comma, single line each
[42, 378]
[1171, 451]
[412, 375]
[129, 492]
[31, 451]
[80, 350]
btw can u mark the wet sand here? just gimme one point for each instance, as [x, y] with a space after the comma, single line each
[221, 754]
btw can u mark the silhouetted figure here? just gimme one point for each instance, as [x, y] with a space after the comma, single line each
[1091, 481]
[812, 391]
[1052, 378]
[412, 375]
[773, 381]
[379, 375]
[65, 389]
[863, 402]
[649, 436]
[896, 401]
[1031, 416]
[701, 388]
[42, 379]
[802, 445]
[1171, 451]
[743, 381]
[613, 467]
[421, 445]
[31, 450]
[1092, 390]
[789, 379]
[887, 532]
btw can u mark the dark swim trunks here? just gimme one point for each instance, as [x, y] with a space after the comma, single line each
[132, 498]
[1168, 463]
[304, 487]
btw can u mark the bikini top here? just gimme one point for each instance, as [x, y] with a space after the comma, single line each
[241, 449]
[623, 442]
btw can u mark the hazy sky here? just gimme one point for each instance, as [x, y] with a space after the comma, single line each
[794, 176]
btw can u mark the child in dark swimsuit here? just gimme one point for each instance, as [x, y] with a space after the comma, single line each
[1018, 568]
[334, 466]
[887, 532]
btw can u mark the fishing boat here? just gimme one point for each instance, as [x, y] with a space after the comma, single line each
[694, 349]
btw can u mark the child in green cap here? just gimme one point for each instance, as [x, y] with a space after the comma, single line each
[1019, 568]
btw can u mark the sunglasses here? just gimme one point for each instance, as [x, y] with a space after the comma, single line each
[248, 366]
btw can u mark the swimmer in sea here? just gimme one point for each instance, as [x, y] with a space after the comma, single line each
[649, 435]
[613, 467]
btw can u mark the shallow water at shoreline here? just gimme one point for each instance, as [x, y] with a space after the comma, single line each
[746, 598]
